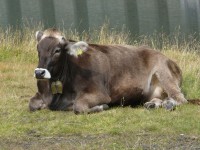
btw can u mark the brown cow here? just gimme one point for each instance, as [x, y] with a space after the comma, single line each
[90, 77]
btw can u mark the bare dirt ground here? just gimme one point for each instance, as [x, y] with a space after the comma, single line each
[119, 141]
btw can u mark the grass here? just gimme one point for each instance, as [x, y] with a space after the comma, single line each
[117, 128]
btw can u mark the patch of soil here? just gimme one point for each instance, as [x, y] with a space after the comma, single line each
[105, 141]
[194, 101]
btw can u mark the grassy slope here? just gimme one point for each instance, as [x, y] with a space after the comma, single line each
[116, 128]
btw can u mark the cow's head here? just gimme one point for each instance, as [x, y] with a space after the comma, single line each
[52, 50]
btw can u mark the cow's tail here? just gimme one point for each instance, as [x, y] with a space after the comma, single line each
[194, 101]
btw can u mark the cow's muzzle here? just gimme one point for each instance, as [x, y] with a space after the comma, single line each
[41, 73]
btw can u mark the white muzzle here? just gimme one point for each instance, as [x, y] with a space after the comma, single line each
[41, 73]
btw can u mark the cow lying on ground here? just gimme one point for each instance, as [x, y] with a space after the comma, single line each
[89, 78]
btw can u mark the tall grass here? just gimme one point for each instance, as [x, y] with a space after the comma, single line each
[20, 46]
[18, 58]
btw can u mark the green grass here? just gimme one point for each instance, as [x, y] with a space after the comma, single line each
[117, 128]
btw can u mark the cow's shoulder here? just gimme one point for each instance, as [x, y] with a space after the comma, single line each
[89, 56]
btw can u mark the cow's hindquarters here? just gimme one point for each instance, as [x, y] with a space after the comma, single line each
[167, 86]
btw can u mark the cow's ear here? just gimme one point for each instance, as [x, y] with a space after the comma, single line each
[77, 48]
[38, 35]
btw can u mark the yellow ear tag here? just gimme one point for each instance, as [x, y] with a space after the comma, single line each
[79, 52]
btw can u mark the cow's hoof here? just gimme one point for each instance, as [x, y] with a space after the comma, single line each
[149, 105]
[105, 107]
[168, 105]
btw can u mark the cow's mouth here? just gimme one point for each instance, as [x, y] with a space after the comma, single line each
[41, 73]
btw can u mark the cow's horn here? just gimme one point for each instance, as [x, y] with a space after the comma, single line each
[61, 39]
[38, 35]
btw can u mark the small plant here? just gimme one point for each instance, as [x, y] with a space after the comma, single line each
[122, 102]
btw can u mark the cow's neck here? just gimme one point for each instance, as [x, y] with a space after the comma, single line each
[60, 71]
[61, 78]
[66, 79]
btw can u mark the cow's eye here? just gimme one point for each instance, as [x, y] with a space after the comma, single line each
[57, 50]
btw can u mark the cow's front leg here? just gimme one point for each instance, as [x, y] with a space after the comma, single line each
[91, 103]
[36, 103]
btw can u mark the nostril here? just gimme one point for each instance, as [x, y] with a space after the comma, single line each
[39, 74]
[42, 73]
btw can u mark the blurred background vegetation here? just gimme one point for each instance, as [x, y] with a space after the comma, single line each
[139, 17]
